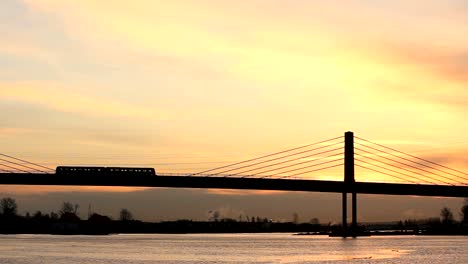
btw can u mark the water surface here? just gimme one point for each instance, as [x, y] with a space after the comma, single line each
[230, 248]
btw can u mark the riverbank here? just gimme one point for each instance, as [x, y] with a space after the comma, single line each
[105, 226]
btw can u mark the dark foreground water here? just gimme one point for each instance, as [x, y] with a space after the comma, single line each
[231, 248]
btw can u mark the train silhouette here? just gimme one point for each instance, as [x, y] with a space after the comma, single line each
[74, 170]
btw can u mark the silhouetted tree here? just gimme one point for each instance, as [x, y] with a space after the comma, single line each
[315, 221]
[214, 215]
[125, 215]
[37, 215]
[97, 218]
[8, 206]
[54, 216]
[464, 212]
[68, 207]
[69, 217]
[446, 215]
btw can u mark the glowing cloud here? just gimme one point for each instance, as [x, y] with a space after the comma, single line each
[60, 98]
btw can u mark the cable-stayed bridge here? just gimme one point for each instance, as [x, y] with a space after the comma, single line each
[367, 167]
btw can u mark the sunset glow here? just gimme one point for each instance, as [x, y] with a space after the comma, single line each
[184, 86]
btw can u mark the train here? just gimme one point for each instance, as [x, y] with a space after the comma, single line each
[73, 170]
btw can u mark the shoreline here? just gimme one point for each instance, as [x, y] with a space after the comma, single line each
[329, 234]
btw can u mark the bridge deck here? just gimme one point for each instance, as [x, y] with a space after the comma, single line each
[233, 183]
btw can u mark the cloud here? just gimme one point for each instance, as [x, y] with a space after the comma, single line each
[452, 61]
[21, 48]
[264, 44]
[427, 73]
[12, 131]
[62, 98]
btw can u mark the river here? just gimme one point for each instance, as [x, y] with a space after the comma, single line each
[231, 248]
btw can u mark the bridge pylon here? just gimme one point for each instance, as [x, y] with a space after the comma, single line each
[349, 186]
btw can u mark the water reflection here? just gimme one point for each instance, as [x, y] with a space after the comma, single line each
[230, 248]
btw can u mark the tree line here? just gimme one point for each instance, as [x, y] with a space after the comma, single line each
[68, 210]
[9, 208]
[67, 221]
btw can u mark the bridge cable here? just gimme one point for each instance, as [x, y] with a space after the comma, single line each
[296, 164]
[302, 168]
[265, 156]
[21, 165]
[31, 163]
[14, 168]
[290, 160]
[404, 180]
[282, 157]
[428, 161]
[301, 173]
[419, 163]
[421, 179]
[400, 173]
[408, 165]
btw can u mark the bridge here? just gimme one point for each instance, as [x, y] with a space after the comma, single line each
[288, 170]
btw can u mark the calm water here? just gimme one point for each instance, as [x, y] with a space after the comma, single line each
[232, 248]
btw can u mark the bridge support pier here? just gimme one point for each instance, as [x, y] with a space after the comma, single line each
[345, 213]
[349, 186]
[354, 214]
[353, 229]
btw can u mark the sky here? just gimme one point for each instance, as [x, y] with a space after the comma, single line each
[184, 86]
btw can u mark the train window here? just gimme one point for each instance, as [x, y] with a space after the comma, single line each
[71, 169]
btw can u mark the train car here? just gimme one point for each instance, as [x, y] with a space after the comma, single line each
[130, 171]
[68, 170]
[74, 170]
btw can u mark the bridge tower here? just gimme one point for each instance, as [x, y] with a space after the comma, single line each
[349, 185]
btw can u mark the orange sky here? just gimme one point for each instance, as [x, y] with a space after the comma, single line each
[190, 85]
